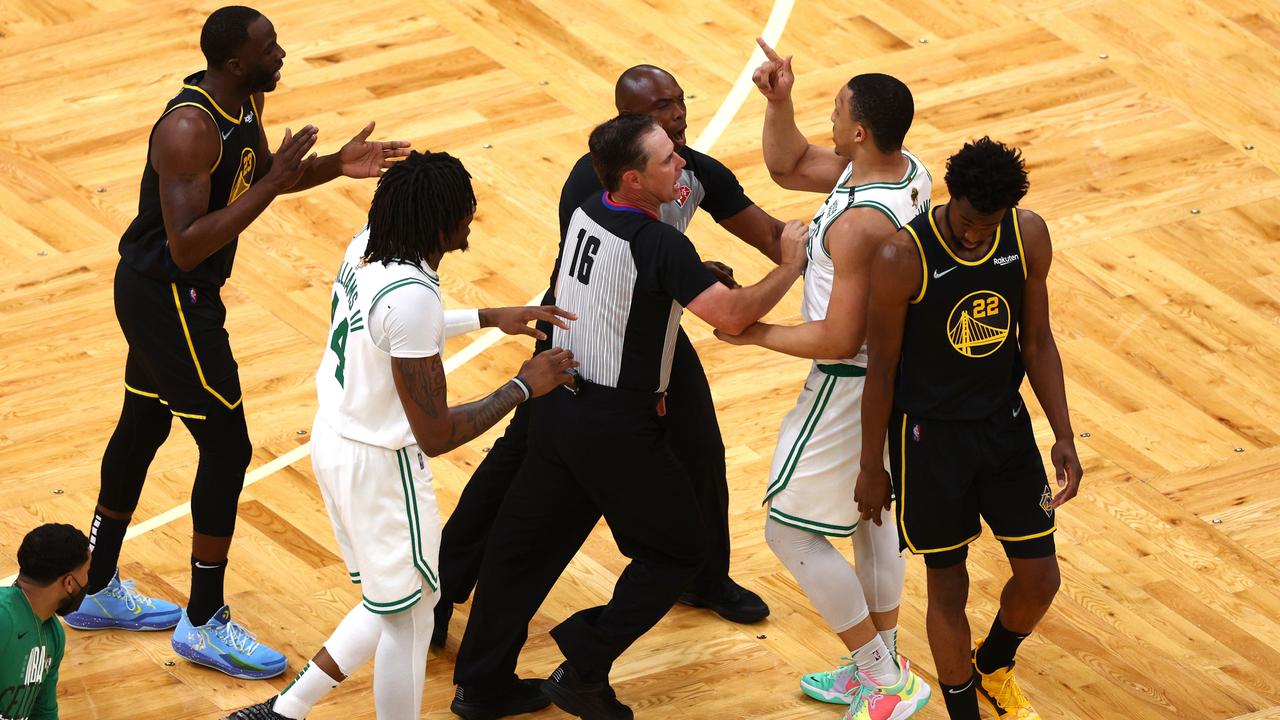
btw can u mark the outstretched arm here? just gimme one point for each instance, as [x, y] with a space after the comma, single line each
[732, 310]
[438, 428]
[184, 149]
[793, 162]
[852, 241]
[1040, 354]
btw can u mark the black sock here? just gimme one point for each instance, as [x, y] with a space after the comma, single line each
[998, 649]
[206, 590]
[105, 538]
[962, 700]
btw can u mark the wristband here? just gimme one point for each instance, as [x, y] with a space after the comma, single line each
[524, 386]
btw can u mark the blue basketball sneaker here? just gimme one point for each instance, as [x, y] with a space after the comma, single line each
[224, 645]
[118, 605]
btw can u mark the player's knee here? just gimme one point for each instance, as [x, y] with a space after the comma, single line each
[1042, 583]
[948, 589]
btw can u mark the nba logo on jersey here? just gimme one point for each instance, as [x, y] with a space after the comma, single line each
[192, 293]
[915, 432]
[682, 194]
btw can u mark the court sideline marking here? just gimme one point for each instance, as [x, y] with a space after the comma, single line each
[706, 139]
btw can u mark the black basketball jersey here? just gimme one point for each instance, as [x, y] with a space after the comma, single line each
[144, 244]
[627, 276]
[960, 355]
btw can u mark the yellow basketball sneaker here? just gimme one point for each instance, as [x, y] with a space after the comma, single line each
[999, 691]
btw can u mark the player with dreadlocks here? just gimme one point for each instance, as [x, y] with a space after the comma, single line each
[383, 406]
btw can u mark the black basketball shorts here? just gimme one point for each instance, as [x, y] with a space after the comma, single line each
[949, 475]
[179, 353]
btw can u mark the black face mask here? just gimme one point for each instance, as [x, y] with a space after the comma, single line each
[72, 603]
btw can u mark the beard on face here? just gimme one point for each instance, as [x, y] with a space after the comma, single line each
[261, 81]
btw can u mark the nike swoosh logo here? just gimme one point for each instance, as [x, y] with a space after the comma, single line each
[227, 134]
[1017, 410]
[957, 691]
[22, 634]
[937, 274]
[202, 566]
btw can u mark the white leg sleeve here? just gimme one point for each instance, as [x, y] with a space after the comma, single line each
[881, 567]
[400, 666]
[353, 642]
[823, 573]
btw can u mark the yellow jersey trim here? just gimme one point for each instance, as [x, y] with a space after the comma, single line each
[217, 162]
[188, 415]
[215, 104]
[190, 346]
[902, 504]
[143, 393]
[1050, 531]
[1017, 233]
[924, 265]
[971, 263]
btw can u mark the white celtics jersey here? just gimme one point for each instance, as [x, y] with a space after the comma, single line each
[900, 202]
[357, 394]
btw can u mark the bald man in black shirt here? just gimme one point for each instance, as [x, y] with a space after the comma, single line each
[693, 432]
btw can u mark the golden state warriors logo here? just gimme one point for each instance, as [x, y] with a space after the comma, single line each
[979, 324]
[244, 176]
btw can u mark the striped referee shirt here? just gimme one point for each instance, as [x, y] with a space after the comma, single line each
[628, 276]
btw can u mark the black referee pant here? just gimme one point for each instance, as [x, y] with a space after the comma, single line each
[693, 435]
[603, 452]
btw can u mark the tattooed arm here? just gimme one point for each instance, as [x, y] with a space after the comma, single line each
[439, 428]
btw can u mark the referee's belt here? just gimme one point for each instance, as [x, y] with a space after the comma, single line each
[843, 370]
[583, 387]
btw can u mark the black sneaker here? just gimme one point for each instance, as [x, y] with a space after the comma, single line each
[590, 701]
[524, 696]
[734, 603]
[261, 711]
[440, 633]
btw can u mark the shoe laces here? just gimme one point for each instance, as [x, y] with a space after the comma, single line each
[131, 598]
[865, 696]
[847, 669]
[1008, 694]
[238, 637]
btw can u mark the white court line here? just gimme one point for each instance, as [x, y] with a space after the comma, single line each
[707, 138]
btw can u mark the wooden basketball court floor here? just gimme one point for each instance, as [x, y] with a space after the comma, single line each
[1150, 131]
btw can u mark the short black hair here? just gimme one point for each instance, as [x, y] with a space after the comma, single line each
[989, 174]
[419, 200]
[617, 146]
[51, 551]
[226, 29]
[883, 104]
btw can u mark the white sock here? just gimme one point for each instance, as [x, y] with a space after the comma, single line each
[877, 662]
[296, 700]
[890, 638]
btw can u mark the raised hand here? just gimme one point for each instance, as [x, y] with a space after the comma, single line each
[516, 320]
[548, 370]
[287, 163]
[774, 77]
[362, 158]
